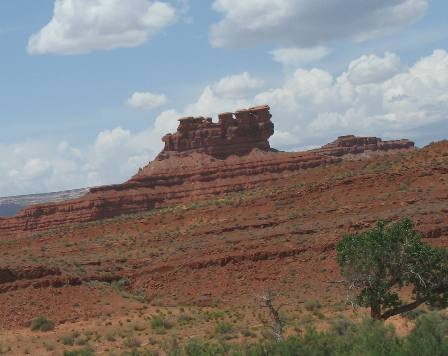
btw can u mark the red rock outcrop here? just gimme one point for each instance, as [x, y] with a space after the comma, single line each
[353, 145]
[202, 160]
[233, 134]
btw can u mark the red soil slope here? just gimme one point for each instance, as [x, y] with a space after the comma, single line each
[278, 231]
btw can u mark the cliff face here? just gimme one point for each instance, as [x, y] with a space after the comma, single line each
[353, 145]
[201, 160]
[233, 134]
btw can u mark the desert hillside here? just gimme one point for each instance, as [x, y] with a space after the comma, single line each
[204, 255]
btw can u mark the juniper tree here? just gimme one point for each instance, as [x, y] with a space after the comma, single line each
[378, 263]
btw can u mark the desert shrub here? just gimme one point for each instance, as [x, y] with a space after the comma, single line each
[414, 314]
[312, 305]
[223, 327]
[111, 336]
[83, 352]
[82, 341]
[428, 337]
[122, 284]
[68, 340]
[370, 337]
[4, 349]
[42, 324]
[184, 318]
[248, 333]
[132, 342]
[140, 353]
[214, 315]
[160, 324]
[197, 347]
[48, 346]
[341, 326]
[289, 347]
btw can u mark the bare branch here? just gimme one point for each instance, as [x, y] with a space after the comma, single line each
[268, 302]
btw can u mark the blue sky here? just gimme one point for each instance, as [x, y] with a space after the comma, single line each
[67, 116]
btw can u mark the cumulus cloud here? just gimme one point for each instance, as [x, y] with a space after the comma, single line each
[236, 86]
[41, 166]
[297, 56]
[82, 26]
[146, 100]
[373, 69]
[374, 96]
[386, 98]
[307, 23]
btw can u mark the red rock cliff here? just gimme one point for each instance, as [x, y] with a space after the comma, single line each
[201, 160]
[233, 134]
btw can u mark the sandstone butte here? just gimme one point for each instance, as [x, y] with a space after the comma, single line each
[202, 159]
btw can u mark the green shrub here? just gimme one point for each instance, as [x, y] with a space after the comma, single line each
[132, 342]
[42, 324]
[223, 327]
[373, 338]
[312, 305]
[68, 339]
[122, 284]
[160, 324]
[428, 337]
[197, 347]
[184, 318]
[83, 352]
[342, 326]
[370, 337]
[140, 353]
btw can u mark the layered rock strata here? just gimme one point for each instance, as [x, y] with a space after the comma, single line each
[201, 160]
[234, 134]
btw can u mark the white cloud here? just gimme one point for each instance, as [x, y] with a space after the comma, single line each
[82, 26]
[35, 167]
[297, 56]
[373, 69]
[39, 166]
[146, 100]
[236, 86]
[307, 23]
[311, 107]
[374, 96]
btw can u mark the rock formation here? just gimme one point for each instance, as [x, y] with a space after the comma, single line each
[350, 144]
[201, 160]
[233, 134]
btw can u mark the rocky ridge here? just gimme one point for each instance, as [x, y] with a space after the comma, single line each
[201, 160]
[10, 206]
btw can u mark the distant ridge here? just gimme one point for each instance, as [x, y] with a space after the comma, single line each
[10, 206]
[200, 160]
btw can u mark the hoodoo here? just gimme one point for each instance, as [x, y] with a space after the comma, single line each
[202, 159]
[233, 134]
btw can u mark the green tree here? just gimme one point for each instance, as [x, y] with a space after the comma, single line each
[378, 263]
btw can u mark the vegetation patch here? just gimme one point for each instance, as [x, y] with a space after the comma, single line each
[42, 324]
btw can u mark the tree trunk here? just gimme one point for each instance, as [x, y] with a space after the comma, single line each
[375, 312]
[402, 309]
[277, 328]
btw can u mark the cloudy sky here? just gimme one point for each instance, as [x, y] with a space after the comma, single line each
[88, 87]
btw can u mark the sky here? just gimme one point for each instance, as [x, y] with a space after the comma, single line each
[89, 87]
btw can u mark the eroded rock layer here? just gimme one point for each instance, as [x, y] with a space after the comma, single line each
[200, 161]
[234, 134]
